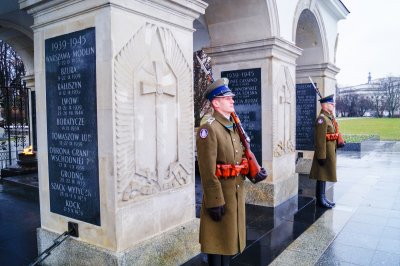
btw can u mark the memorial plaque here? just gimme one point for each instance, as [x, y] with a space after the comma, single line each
[246, 84]
[72, 125]
[305, 116]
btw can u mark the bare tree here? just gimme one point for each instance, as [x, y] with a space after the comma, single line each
[11, 66]
[201, 105]
[364, 104]
[378, 101]
[391, 89]
[341, 107]
[12, 70]
[347, 104]
[353, 104]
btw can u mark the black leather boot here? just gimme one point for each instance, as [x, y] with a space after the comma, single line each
[214, 259]
[218, 260]
[226, 260]
[320, 195]
[324, 194]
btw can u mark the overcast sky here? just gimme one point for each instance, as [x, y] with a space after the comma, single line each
[369, 41]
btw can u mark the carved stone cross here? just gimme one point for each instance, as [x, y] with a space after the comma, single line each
[286, 100]
[164, 85]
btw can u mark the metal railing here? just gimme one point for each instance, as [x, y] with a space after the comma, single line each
[14, 123]
[72, 231]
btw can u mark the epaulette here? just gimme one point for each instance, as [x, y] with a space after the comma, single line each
[210, 120]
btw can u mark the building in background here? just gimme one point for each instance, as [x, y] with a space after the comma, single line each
[378, 97]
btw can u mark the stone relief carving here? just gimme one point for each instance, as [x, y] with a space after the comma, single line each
[153, 92]
[285, 121]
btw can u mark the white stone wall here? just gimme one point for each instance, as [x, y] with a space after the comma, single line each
[144, 112]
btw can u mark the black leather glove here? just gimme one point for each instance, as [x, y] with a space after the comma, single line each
[341, 145]
[321, 162]
[216, 213]
[262, 175]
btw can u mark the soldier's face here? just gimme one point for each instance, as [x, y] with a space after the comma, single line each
[224, 105]
[329, 107]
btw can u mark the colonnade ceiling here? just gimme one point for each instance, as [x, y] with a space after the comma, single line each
[308, 38]
[15, 30]
[237, 21]
[201, 37]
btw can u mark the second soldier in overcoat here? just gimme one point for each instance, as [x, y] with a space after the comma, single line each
[326, 141]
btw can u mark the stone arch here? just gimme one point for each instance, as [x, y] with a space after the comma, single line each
[21, 40]
[309, 34]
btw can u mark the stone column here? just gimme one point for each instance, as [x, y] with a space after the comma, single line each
[276, 58]
[30, 83]
[115, 130]
[322, 74]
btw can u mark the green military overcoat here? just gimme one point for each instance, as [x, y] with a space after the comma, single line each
[324, 149]
[218, 142]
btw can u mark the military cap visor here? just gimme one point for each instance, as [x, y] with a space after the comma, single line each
[222, 91]
[219, 88]
[327, 99]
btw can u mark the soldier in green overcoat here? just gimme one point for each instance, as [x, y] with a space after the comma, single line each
[222, 215]
[326, 141]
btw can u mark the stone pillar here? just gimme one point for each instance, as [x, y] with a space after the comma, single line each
[322, 74]
[276, 58]
[115, 130]
[30, 83]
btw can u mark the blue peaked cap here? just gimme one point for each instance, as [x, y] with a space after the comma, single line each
[327, 99]
[220, 91]
[218, 88]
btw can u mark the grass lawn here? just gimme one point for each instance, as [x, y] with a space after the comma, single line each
[355, 129]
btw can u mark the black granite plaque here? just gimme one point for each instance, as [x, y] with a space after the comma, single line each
[305, 116]
[246, 84]
[72, 125]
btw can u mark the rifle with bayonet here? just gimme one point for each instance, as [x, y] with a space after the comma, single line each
[255, 170]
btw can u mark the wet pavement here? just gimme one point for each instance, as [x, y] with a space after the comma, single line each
[19, 218]
[363, 228]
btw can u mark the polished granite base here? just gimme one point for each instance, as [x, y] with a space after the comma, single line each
[18, 170]
[269, 230]
[26, 185]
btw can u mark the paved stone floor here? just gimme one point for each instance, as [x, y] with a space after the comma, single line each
[19, 218]
[363, 229]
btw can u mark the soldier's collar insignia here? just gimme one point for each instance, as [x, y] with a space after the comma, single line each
[320, 121]
[229, 126]
[203, 133]
[210, 120]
